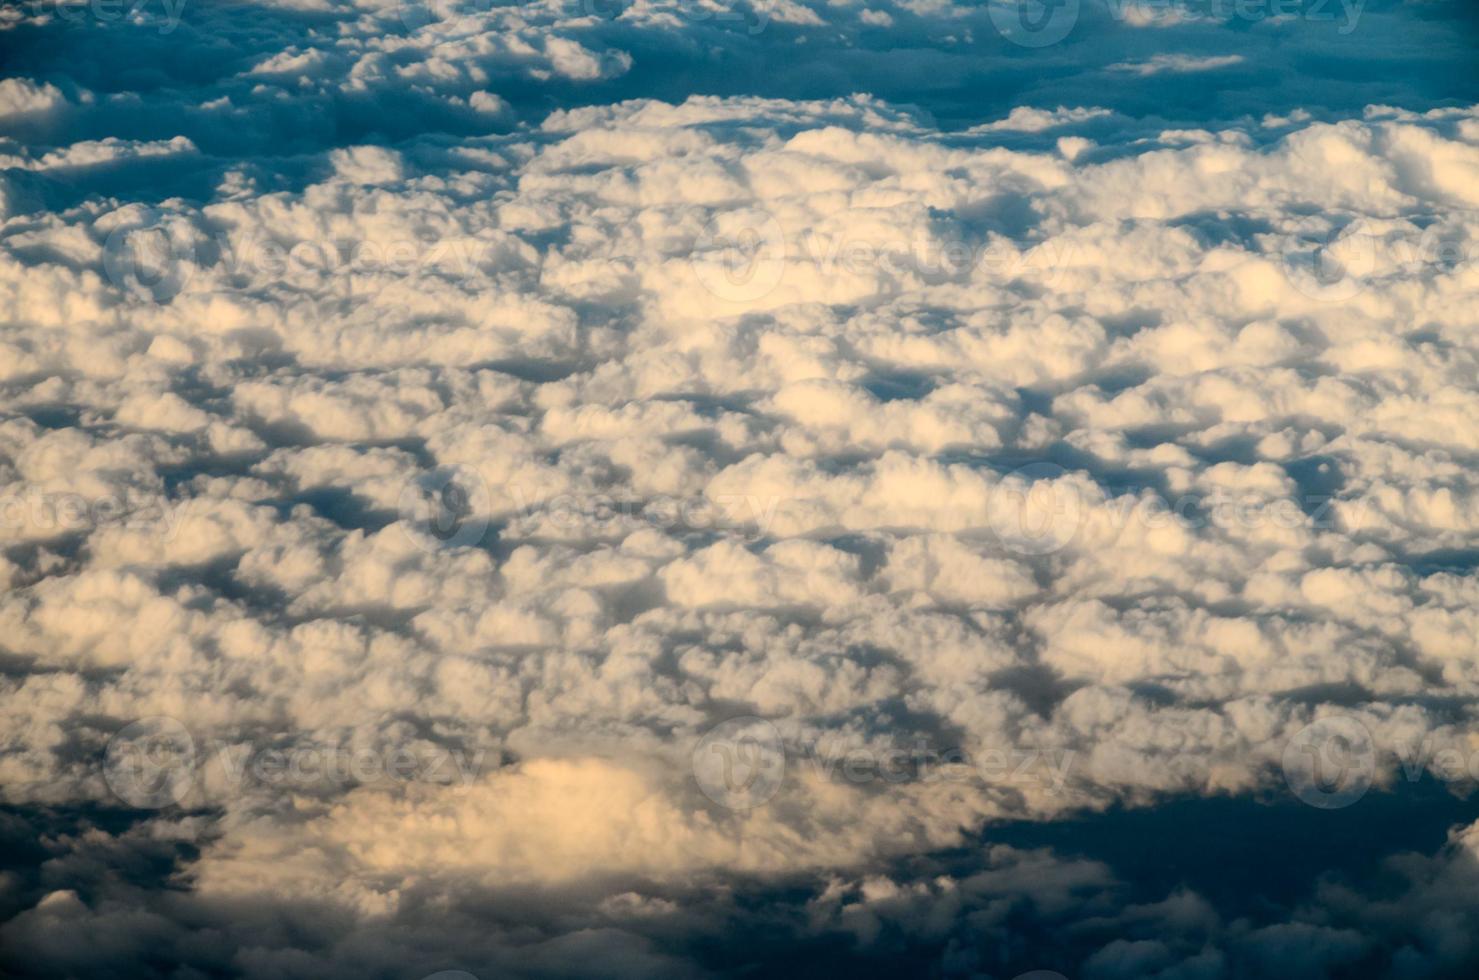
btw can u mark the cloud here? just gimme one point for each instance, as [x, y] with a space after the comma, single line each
[430, 388]
[1177, 64]
[22, 99]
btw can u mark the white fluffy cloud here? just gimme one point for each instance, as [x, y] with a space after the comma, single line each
[1092, 458]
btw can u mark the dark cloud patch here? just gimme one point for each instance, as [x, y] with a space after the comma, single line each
[1214, 888]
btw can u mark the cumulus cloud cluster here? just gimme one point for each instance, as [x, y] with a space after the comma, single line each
[1062, 463]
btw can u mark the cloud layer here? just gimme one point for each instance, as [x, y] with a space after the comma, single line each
[425, 458]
